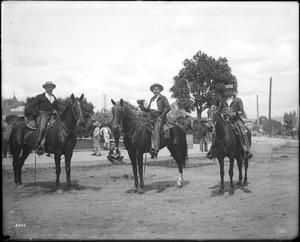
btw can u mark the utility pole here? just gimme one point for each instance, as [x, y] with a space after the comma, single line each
[257, 113]
[270, 95]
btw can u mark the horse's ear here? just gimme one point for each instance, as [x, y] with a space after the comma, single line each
[81, 97]
[113, 102]
[121, 102]
[72, 97]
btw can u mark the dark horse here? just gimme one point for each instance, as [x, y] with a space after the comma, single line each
[137, 141]
[60, 140]
[228, 144]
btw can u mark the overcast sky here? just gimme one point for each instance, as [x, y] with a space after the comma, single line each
[121, 48]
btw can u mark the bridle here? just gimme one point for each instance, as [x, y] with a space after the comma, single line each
[121, 110]
[77, 114]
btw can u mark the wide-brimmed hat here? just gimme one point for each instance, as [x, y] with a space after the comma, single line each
[97, 123]
[156, 85]
[229, 86]
[49, 84]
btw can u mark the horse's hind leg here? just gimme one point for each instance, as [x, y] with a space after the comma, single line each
[18, 162]
[179, 160]
[16, 158]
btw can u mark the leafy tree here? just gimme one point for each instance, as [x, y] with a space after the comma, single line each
[267, 125]
[175, 111]
[104, 117]
[87, 111]
[201, 82]
[291, 118]
[87, 107]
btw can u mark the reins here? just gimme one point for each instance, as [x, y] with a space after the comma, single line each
[226, 130]
[71, 131]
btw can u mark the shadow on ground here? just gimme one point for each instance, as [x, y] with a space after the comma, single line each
[217, 192]
[160, 186]
[49, 187]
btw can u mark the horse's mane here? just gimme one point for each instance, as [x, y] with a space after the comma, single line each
[64, 113]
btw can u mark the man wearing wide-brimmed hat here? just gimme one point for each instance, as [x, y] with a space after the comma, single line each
[158, 108]
[232, 108]
[41, 109]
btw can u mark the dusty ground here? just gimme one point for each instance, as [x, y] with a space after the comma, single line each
[100, 204]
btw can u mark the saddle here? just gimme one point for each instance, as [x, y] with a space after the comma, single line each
[166, 129]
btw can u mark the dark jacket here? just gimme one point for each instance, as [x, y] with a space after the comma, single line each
[236, 106]
[162, 105]
[43, 104]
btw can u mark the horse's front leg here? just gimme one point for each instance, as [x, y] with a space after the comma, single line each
[221, 163]
[139, 156]
[68, 158]
[239, 161]
[231, 162]
[134, 169]
[246, 169]
[57, 168]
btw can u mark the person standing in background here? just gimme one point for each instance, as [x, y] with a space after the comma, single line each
[203, 133]
[106, 132]
[96, 139]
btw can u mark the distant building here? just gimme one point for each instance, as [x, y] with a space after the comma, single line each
[17, 108]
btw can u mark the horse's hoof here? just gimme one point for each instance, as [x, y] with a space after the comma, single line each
[19, 185]
[221, 192]
[239, 183]
[68, 185]
[245, 183]
[57, 184]
[179, 184]
[140, 191]
[231, 192]
[135, 190]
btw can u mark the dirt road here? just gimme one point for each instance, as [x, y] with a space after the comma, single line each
[100, 204]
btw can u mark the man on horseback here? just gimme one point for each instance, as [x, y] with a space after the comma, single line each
[232, 108]
[41, 108]
[158, 108]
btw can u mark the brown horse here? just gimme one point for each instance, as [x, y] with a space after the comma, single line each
[60, 140]
[137, 141]
[228, 145]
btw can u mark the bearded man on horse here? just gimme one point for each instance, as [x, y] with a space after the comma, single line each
[232, 109]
